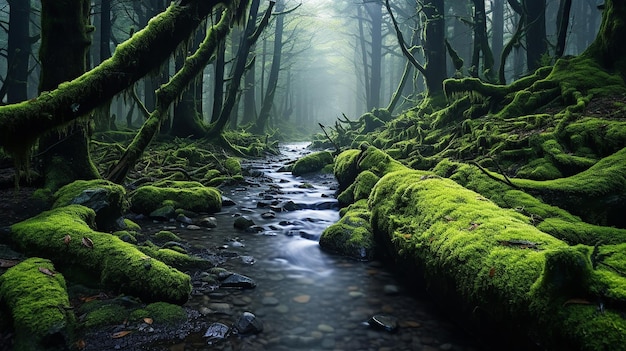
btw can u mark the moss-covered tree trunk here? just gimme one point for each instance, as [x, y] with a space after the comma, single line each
[21, 124]
[63, 56]
[608, 48]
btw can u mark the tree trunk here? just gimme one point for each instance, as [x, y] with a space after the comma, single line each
[272, 82]
[374, 9]
[218, 81]
[63, 55]
[497, 30]
[536, 42]
[18, 52]
[365, 65]
[562, 25]
[102, 116]
[481, 43]
[434, 46]
[251, 34]
[608, 48]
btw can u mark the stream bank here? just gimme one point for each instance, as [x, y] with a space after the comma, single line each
[307, 299]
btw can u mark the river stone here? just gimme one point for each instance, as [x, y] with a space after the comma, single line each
[268, 215]
[243, 222]
[207, 222]
[183, 219]
[236, 280]
[248, 323]
[164, 213]
[216, 332]
[226, 201]
[385, 322]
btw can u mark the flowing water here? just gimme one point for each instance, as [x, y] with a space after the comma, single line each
[306, 298]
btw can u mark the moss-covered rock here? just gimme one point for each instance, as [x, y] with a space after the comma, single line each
[192, 196]
[107, 199]
[312, 162]
[352, 235]
[37, 298]
[66, 236]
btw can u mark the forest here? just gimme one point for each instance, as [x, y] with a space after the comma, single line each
[478, 150]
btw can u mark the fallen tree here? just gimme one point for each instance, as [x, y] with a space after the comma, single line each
[490, 263]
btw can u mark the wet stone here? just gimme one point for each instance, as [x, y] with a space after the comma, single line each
[390, 289]
[270, 301]
[248, 323]
[268, 215]
[164, 213]
[207, 222]
[243, 222]
[193, 227]
[385, 322]
[226, 201]
[183, 219]
[216, 332]
[255, 229]
[236, 280]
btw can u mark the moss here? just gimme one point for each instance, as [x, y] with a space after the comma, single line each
[191, 196]
[364, 184]
[166, 235]
[352, 235]
[161, 313]
[494, 260]
[132, 226]
[39, 305]
[345, 167]
[312, 162]
[232, 166]
[105, 314]
[112, 262]
[109, 205]
[126, 236]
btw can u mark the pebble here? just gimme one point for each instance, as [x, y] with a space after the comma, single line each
[302, 298]
[270, 301]
[325, 328]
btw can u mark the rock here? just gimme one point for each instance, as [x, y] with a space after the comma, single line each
[285, 206]
[385, 322]
[183, 219]
[164, 213]
[255, 229]
[390, 289]
[248, 323]
[207, 222]
[226, 201]
[217, 332]
[243, 222]
[268, 215]
[236, 280]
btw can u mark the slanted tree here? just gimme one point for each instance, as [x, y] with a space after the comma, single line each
[21, 124]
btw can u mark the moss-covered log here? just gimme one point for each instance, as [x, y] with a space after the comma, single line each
[37, 298]
[65, 235]
[498, 268]
[21, 124]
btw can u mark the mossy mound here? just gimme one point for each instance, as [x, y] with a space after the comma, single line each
[191, 196]
[37, 298]
[501, 270]
[107, 199]
[312, 162]
[66, 236]
[352, 235]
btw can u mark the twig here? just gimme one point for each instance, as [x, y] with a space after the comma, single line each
[331, 140]
[506, 179]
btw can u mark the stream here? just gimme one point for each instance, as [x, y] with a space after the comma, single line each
[306, 298]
